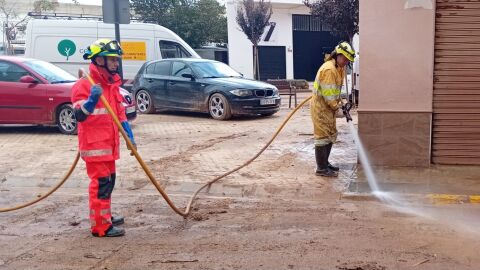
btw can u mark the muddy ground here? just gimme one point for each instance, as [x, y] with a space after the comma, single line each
[274, 214]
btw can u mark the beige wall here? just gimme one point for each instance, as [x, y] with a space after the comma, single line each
[396, 68]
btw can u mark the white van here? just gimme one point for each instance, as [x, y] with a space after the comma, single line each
[63, 42]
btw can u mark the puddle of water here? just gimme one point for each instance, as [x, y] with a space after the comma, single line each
[460, 217]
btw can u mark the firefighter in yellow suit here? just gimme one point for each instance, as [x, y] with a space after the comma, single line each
[325, 103]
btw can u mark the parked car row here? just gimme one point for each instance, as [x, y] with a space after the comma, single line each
[203, 86]
[37, 92]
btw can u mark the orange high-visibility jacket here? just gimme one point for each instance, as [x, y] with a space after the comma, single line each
[326, 101]
[98, 138]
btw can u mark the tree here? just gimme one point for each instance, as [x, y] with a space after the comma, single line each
[341, 16]
[11, 22]
[44, 5]
[198, 22]
[253, 17]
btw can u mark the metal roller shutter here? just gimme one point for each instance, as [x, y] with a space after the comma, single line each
[456, 95]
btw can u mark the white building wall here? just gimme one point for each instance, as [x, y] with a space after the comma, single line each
[240, 48]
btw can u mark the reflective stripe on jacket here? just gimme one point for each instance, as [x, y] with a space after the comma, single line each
[326, 101]
[98, 136]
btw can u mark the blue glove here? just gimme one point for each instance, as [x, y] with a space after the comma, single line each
[128, 130]
[95, 93]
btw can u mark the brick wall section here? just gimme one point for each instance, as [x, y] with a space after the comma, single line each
[396, 138]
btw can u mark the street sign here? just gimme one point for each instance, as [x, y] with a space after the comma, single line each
[116, 11]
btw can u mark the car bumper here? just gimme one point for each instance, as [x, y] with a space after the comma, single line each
[252, 106]
[131, 113]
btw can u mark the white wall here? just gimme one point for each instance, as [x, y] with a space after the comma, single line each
[397, 57]
[240, 48]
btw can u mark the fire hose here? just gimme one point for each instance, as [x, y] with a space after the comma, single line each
[345, 108]
[145, 167]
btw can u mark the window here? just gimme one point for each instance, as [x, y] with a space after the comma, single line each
[10, 72]
[50, 72]
[162, 68]
[159, 68]
[170, 49]
[213, 70]
[179, 68]
[150, 69]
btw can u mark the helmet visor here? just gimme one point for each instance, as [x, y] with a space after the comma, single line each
[110, 48]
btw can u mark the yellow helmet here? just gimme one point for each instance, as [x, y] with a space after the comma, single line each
[347, 50]
[103, 47]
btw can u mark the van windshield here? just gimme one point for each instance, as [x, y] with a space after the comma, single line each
[214, 70]
[50, 72]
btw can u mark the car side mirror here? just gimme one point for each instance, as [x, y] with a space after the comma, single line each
[188, 76]
[28, 79]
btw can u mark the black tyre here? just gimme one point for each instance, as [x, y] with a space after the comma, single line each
[219, 108]
[145, 102]
[66, 122]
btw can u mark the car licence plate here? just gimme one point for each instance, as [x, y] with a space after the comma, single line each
[267, 101]
[130, 109]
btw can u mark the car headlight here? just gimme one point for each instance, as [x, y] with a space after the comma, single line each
[275, 92]
[129, 98]
[241, 92]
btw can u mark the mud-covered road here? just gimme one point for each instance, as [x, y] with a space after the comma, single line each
[274, 214]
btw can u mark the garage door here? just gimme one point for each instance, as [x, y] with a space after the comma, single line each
[272, 62]
[311, 41]
[456, 95]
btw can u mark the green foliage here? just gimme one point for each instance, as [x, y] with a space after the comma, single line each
[198, 22]
[44, 5]
[341, 16]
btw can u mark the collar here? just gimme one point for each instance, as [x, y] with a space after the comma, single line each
[102, 76]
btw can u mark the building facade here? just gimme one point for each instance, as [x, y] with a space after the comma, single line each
[420, 78]
[292, 47]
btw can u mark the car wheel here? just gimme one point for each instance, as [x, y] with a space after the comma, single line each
[67, 124]
[145, 102]
[219, 107]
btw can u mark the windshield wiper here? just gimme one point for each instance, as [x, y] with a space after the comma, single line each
[210, 77]
[64, 81]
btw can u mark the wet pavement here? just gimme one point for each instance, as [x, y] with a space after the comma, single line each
[274, 214]
[436, 179]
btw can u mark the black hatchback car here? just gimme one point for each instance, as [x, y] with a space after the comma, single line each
[201, 85]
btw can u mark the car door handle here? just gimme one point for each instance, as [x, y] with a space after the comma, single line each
[149, 80]
[172, 83]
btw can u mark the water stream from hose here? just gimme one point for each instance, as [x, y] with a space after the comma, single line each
[461, 218]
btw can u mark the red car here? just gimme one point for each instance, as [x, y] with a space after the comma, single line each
[37, 92]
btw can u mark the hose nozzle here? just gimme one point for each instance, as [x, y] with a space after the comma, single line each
[346, 111]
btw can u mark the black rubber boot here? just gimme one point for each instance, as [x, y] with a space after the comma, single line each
[321, 157]
[330, 166]
[119, 220]
[112, 232]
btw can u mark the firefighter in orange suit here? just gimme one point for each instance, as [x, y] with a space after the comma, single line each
[98, 136]
[325, 103]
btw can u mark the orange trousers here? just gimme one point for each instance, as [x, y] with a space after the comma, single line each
[102, 181]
